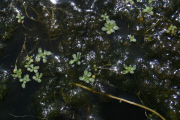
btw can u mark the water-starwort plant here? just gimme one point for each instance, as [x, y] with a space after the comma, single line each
[42, 55]
[130, 1]
[24, 80]
[20, 18]
[132, 39]
[110, 26]
[31, 67]
[86, 77]
[38, 77]
[17, 73]
[29, 61]
[105, 16]
[76, 58]
[95, 67]
[148, 10]
[129, 69]
[150, 1]
[172, 30]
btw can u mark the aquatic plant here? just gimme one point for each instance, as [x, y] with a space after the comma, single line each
[95, 67]
[76, 58]
[29, 61]
[132, 39]
[172, 30]
[37, 77]
[42, 55]
[20, 18]
[110, 26]
[129, 69]
[130, 1]
[148, 10]
[150, 1]
[24, 80]
[17, 73]
[31, 68]
[105, 16]
[86, 77]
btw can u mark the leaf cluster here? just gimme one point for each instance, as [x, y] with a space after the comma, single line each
[130, 1]
[42, 54]
[110, 25]
[76, 58]
[31, 68]
[17, 73]
[24, 80]
[132, 39]
[86, 77]
[129, 69]
[148, 10]
[20, 18]
[172, 30]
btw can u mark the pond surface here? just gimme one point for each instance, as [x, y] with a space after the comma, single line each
[66, 27]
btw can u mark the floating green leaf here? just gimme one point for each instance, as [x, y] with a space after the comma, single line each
[110, 26]
[148, 10]
[129, 69]
[132, 39]
[20, 18]
[172, 30]
[76, 59]
[86, 77]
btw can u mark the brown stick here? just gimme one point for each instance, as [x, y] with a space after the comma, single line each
[121, 99]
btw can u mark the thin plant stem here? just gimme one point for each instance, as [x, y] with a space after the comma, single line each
[121, 99]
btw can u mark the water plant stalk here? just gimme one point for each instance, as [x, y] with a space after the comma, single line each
[120, 99]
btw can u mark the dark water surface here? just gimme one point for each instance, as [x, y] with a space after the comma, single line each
[66, 27]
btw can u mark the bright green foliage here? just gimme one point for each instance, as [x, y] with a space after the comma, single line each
[110, 26]
[172, 30]
[33, 68]
[42, 55]
[76, 58]
[150, 1]
[130, 1]
[132, 39]
[148, 10]
[29, 61]
[38, 77]
[95, 68]
[86, 77]
[129, 69]
[17, 73]
[105, 16]
[19, 17]
[24, 80]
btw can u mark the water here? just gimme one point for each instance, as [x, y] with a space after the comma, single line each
[68, 27]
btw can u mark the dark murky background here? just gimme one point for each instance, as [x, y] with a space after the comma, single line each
[66, 27]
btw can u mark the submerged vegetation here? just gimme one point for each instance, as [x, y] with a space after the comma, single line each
[107, 65]
[31, 67]
[86, 77]
[19, 17]
[76, 58]
[110, 25]
[129, 69]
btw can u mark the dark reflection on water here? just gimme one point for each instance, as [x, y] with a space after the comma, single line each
[67, 27]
